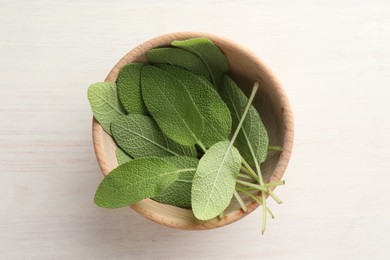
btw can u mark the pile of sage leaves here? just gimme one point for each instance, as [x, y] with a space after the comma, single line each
[187, 135]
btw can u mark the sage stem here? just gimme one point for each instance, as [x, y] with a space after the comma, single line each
[242, 204]
[249, 184]
[252, 174]
[275, 148]
[275, 197]
[244, 176]
[274, 184]
[249, 169]
[250, 195]
[251, 97]
[270, 213]
[187, 170]
[201, 145]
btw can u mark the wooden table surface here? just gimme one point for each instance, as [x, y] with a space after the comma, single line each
[333, 58]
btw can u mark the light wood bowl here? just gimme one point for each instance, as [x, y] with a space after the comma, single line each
[271, 102]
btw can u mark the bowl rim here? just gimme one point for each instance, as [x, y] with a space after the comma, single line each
[287, 117]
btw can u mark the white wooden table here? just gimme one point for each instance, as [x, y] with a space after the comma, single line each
[333, 58]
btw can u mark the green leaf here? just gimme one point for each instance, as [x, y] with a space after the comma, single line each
[179, 193]
[252, 140]
[121, 156]
[178, 57]
[171, 106]
[104, 102]
[135, 180]
[215, 180]
[139, 136]
[216, 115]
[129, 88]
[210, 54]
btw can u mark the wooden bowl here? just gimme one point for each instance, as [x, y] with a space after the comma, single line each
[271, 102]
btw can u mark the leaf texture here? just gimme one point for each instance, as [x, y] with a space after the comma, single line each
[140, 136]
[121, 156]
[216, 115]
[129, 89]
[135, 180]
[179, 193]
[215, 180]
[171, 106]
[214, 59]
[252, 140]
[178, 57]
[104, 102]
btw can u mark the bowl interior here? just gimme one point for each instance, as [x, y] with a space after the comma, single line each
[271, 102]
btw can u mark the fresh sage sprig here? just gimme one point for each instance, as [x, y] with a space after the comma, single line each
[139, 136]
[179, 193]
[180, 118]
[180, 58]
[172, 120]
[135, 180]
[214, 59]
[216, 115]
[103, 98]
[129, 89]
[215, 178]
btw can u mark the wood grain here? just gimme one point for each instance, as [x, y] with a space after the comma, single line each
[333, 60]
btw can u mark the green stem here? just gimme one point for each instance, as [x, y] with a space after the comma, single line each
[270, 213]
[244, 176]
[264, 212]
[249, 184]
[275, 148]
[250, 195]
[201, 145]
[252, 174]
[261, 187]
[255, 199]
[274, 184]
[249, 169]
[274, 197]
[245, 170]
[259, 172]
[260, 178]
[242, 204]
[264, 188]
[246, 188]
[263, 198]
[187, 170]
[250, 100]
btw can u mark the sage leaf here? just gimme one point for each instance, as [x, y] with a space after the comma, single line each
[135, 180]
[140, 136]
[104, 102]
[180, 58]
[216, 115]
[121, 156]
[215, 180]
[129, 89]
[215, 61]
[252, 140]
[179, 193]
[171, 106]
